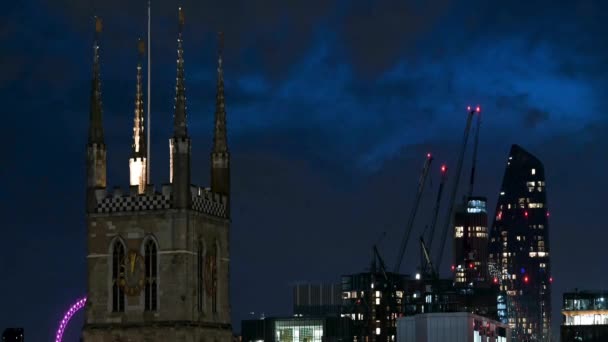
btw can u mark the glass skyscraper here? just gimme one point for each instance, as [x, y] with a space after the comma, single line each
[519, 248]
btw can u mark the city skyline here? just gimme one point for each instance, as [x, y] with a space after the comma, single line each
[312, 133]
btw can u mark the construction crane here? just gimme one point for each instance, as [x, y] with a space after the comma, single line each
[382, 265]
[452, 198]
[410, 222]
[427, 265]
[474, 164]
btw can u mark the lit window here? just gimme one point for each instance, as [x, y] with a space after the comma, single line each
[533, 171]
[458, 231]
[378, 294]
[377, 331]
[377, 301]
[345, 295]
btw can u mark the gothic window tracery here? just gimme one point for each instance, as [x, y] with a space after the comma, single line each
[200, 276]
[151, 265]
[118, 296]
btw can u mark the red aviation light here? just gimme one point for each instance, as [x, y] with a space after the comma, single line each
[471, 265]
[469, 108]
[453, 267]
[428, 155]
[551, 279]
[547, 214]
[526, 279]
[443, 168]
[495, 280]
[478, 109]
[525, 213]
[499, 216]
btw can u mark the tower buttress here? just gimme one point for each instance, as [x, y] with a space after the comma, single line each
[220, 156]
[96, 147]
[137, 162]
[180, 145]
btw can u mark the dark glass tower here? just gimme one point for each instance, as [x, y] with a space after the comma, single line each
[12, 335]
[519, 248]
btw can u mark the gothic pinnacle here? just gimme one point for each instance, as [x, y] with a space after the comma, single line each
[95, 114]
[139, 139]
[180, 128]
[220, 143]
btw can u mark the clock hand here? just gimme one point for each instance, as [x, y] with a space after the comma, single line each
[132, 263]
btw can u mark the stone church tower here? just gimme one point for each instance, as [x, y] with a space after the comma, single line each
[158, 259]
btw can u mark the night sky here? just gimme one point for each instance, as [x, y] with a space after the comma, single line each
[332, 106]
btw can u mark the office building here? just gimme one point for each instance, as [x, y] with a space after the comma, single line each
[373, 300]
[519, 248]
[288, 329]
[317, 300]
[451, 326]
[471, 244]
[12, 335]
[585, 317]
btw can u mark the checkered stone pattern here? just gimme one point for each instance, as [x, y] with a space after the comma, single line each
[205, 205]
[133, 203]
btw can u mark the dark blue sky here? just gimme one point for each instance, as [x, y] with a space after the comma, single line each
[332, 106]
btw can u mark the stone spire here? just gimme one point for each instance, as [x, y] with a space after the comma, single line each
[139, 137]
[220, 139]
[137, 162]
[180, 128]
[220, 155]
[180, 145]
[95, 118]
[96, 147]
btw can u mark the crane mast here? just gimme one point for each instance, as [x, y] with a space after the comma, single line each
[452, 198]
[474, 164]
[427, 263]
[410, 222]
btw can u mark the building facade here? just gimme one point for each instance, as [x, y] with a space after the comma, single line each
[317, 300]
[374, 300]
[158, 259]
[13, 335]
[585, 316]
[297, 329]
[519, 248]
[451, 326]
[471, 244]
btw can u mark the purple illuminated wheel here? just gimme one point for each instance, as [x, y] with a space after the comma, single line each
[66, 318]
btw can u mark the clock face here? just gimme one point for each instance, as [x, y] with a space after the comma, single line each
[132, 273]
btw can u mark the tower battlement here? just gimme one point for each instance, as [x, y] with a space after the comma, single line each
[115, 201]
[158, 258]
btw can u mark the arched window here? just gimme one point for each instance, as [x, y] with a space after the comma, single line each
[200, 273]
[214, 261]
[118, 296]
[151, 264]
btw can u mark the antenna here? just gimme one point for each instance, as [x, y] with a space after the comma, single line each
[149, 96]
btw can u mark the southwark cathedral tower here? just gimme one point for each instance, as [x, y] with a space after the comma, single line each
[158, 256]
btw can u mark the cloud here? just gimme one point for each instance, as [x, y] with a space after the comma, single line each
[534, 116]
[376, 36]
